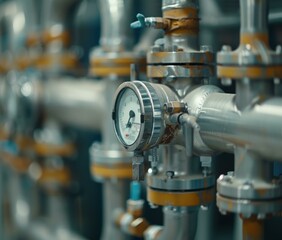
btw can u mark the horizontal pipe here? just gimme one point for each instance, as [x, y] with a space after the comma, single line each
[76, 102]
[223, 126]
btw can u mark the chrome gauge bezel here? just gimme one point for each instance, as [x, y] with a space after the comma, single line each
[152, 124]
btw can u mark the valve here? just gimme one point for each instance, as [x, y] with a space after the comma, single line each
[150, 22]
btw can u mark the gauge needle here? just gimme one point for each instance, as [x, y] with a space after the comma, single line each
[131, 115]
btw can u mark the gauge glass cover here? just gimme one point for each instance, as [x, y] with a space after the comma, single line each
[128, 111]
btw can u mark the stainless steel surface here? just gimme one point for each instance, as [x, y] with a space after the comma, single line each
[249, 92]
[32, 16]
[75, 102]
[80, 103]
[56, 15]
[170, 4]
[257, 129]
[104, 155]
[248, 207]
[41, 230]
[179, 224]
[177, 172]
[115, 35]
[253, 16]
[115, 194]
[152, 98]
[12, 18]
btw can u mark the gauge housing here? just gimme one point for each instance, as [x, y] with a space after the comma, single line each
[153, 128]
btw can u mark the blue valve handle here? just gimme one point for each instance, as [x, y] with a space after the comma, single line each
[9, 146]
[135, 190]
[141, 23]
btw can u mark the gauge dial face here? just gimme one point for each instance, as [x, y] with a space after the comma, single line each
[128, 116]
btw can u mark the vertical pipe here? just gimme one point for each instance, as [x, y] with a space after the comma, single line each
[57, 214]
[248, 167]
[115, 14]
[253, 21]
[114, 198]
[183, 9]
[251, 91]
[180, 223]
[253, 229]
[56, 14]
[254, 34]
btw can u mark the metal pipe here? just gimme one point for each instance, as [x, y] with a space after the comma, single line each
[222, 126]
[108, 135]
[13, 18]
[56, 15]
[253, 16]
[253, 229]
[249, 91]
[41, 230]
[188, 40]
[32, 13]
[252, 168]
[180, 223]
[115, 35]
[80, 103]
[58, 211]
[115, 194]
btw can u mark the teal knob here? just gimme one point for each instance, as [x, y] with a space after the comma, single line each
[141, 23]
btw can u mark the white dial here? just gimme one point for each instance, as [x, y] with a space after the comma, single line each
[128, 116]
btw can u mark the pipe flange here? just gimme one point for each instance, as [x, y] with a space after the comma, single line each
[179, 57]
[105, 64]
[180, 71]
[248, 207]
[247, 55]
[232, 187]
[251, 72]
[113, 171]
[169, 182]
[102, 155]
[180, 198]
[253, 59]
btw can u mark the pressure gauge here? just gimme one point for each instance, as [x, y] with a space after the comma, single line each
[139, 117]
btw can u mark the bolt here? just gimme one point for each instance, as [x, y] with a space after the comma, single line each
[156, 48]
[226, 48]
[278, 49]
[248, 184]
[155, 170]
[170, 174]
[168, 107]
[152, 205]
[204, 208]
[169, 77]
[277, 81]
[138, 168]
[174, 48]
[206, 48]
[160, 42]
[246, 215]
[227, 179]
[261, 216]
[230, 173]
[223, 212]
[226, 82]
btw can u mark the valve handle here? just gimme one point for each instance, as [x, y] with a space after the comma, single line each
[141, 23]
